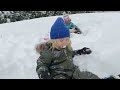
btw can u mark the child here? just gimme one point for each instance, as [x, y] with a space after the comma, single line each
[56, 56]
[73, 28]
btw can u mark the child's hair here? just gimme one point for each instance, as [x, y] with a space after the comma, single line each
[65, 16]
[55, 44]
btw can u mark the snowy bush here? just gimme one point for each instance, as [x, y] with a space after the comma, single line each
[13, 16]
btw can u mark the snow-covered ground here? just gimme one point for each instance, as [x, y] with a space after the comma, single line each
[101, 34]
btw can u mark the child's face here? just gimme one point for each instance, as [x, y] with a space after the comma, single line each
[67, 20]
[62, 43]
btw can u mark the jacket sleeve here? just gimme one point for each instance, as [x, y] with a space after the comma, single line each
[77, 52]
[42, 68]
[82, 51]
[74, 53]
[72, 25]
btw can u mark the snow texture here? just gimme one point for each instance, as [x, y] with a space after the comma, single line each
[101, 34]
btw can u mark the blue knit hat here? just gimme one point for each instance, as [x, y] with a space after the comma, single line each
[59, 29]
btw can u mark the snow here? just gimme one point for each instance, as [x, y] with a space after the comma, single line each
[101, 34]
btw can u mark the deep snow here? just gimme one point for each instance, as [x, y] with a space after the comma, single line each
[101, 34]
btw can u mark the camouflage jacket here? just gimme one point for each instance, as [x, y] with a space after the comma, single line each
[58, 64]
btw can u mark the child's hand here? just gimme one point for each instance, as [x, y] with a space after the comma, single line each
[87, 50]
[84, 51]
[46, 75]
[72, 30]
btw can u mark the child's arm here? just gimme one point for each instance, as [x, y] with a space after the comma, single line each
[82, 51]
[43, 66]
[72, 25]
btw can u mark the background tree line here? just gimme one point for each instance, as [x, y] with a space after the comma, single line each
[13, 16]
